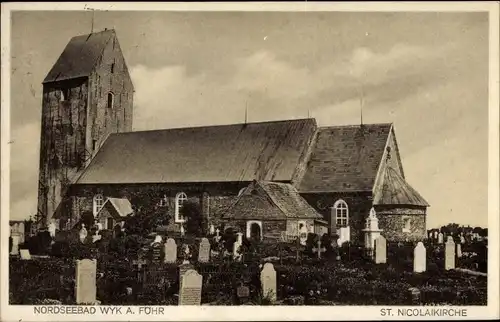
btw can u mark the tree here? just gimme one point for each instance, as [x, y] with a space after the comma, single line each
[194, 219]
[148, 214]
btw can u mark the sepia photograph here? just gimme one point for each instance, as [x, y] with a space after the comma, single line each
[162, 158]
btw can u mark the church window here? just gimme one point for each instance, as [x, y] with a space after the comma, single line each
[112, 68]
[406, 224]
[111, 99]
[98, 203]
[163, 201]
[342, 213]
[180, 199]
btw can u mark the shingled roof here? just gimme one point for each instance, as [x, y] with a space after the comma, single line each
[345, 158]
[271, 201]
[396, 191]
[80, 56]
[226, 153]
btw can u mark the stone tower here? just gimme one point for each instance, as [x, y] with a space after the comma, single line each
[87, 95]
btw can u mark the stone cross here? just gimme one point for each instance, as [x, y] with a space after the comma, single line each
[419, 258]
[440, 238]
[380, 250]
[268, 282]
[449, 254]
[204, 252]
[83, 233]
[170, 251]
[85, 287]
[190, 291]
[319, 249]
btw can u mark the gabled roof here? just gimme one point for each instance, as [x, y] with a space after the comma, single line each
[277, 200]
[345, 158]
[226, 153]
[80, 56]
[396, 191]
[118, 207]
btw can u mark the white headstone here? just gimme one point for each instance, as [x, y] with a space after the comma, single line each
[212, 229]
[25, 254]
[190, 291]
[268, 281]
[303, 235]
[83, 233]
[419, 258]
[435, 234]
[449, 254]
[380, 250]
[440, 238]
[52, 229]
[21, 232]
[459, 250]
[170, 251]
[15, 245]
[204, 252]
[183, 232]
[462, 239]
[236, 248]
[85, 287]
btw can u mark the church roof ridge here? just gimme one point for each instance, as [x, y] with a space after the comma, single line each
[217, 125]
[355, 125]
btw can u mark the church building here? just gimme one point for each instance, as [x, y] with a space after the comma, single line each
[287, 172]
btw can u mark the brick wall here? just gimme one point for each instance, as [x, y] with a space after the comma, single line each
[392, 221]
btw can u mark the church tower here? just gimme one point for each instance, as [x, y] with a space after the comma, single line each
[87, 95]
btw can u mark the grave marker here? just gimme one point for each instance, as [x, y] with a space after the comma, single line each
[190, 291]
[183, 268]
[85, 286]
[319, 249]
[25, 254]
[170, 251]
[459, 250]
[204, 253]
[440, 238]
[268, 281]
[419, 258]
[380, 250]
[15, 245]
[156, 253]
[236, 247]
[449, 254]
[83, 233]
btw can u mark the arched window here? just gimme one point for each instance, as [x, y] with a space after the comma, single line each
[180, 199]
[111, 99]
[341, 212]
[98, 203]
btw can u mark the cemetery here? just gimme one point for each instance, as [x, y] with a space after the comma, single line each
[229, 269]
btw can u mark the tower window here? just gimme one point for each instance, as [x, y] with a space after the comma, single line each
[64, 94]
[111, 99]
[112, 68]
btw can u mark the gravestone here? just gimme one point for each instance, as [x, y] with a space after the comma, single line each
[21, 232]
[435, 234]
[183, 268]
[236, 247]
[462, 239]
[15, 245]
[156, 249]
[25, 254]
[419, 258]
[303, 235]
[380, 250]
[190, 290]
[319, 249]
[212, 229]
[170, 251]
[85, 287]
[217, 235]
[449, 254]
[204, 252]
[440, 238]
[268, 282]
[83, 233]
[243, 294]
[459, 250]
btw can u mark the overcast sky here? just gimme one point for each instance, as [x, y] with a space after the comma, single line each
[425, 72]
